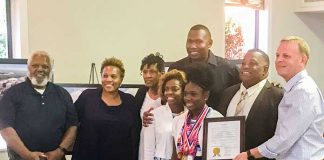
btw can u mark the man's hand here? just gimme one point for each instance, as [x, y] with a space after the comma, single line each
[241, 156]
[34, 156]
[244, 155]
[147, 117]
[56, 154]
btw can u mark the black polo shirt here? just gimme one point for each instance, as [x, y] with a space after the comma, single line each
[40, 120]
[223, 73]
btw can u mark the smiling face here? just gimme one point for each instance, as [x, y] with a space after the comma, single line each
[198, 44]
[254, 69]
[111, 79]
[151, 75]
[289, 59]
[39, 69]
[195, 97]
[173, 92]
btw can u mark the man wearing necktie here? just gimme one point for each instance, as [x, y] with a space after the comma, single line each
[240, 104]
[255, 98]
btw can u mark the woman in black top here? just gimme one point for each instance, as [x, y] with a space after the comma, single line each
[109, 122]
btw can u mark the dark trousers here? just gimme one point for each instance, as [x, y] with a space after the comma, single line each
[14, 156]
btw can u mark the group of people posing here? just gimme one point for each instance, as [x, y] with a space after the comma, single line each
[164, 120]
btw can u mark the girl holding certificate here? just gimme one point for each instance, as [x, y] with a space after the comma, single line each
[188, 127]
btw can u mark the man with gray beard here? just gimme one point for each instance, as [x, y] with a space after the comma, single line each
[37, 117]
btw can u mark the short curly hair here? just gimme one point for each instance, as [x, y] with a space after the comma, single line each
[200, 74]
[173, 74]
[152, 59]
[113, 62]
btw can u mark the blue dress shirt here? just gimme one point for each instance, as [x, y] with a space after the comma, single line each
[300, 123]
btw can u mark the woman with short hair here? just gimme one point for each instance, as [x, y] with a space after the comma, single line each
[109, 121]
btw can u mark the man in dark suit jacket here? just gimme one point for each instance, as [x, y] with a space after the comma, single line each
[261, 102]
[198, 46]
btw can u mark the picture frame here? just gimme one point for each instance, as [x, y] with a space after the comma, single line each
[130, 88]
[75, 89]
[167, 66]
[223, 137]
[12, 71]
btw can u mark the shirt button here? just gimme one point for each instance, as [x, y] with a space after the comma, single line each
[43, 103]
[42, 96]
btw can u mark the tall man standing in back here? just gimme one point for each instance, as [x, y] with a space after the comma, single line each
[37, 117]
[198, 46]
[300, 124]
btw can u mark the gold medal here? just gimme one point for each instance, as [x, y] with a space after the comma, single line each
[184, 157]
[179, 155]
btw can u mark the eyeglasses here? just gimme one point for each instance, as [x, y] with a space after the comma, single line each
[150, 72]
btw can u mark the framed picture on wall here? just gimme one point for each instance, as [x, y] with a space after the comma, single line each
[130, 88]
[167, 65]
[76, 89]
[12, 71]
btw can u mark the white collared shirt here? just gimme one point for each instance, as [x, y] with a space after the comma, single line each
[158, 139]
[252, 94]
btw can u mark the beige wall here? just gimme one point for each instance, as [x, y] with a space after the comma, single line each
[284, 21]
[3, 155]
[78, 32]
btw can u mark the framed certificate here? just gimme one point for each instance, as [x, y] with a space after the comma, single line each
[223, 137]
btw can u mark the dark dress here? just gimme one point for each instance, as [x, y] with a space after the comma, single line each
[106, 132]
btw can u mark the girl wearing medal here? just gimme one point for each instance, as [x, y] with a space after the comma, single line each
[188, 127]
[158, 139]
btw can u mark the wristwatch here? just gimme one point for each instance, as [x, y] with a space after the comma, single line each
[64, 150]
[249, 155]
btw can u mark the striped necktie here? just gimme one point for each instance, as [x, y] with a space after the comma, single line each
[240, 104]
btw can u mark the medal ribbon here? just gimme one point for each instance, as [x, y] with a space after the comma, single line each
[189, 135]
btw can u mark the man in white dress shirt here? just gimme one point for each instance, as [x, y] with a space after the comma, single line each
[301, 111]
